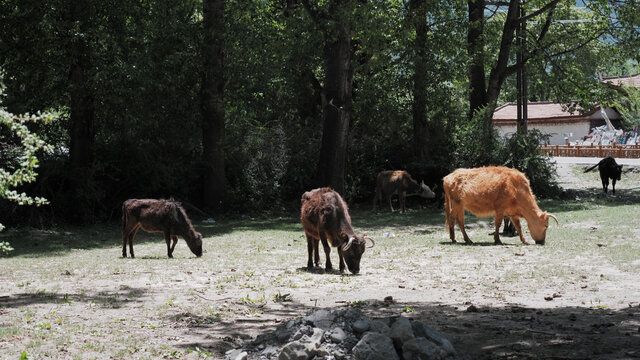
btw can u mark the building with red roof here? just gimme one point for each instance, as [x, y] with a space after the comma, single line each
[557, 120]
[622, 81]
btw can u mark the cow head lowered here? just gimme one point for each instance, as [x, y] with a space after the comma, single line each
[325, 217]
[493, 191]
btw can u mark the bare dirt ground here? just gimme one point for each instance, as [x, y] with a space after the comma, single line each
[577, 297]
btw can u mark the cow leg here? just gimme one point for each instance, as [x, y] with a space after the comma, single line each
[496, 235]
[167, 239]
[516, 223]
[389, 201]
[316, 251]
[132, 234]
[459, 215]
[341, 260]
[127, 231]
[402, 197]
[125, 237]
[327, 251]
[605, 183]
[310, 251]
[175, 241]
[613, 186]
[449, 220]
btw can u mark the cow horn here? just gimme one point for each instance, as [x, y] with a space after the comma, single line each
[348, 244]
[373, 243]
[554, 218]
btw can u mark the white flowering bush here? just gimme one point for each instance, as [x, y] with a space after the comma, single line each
[22, 168]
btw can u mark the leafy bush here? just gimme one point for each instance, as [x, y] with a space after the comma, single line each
[522, 152]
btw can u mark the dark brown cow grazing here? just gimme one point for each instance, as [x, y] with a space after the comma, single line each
[399, 182]
[325, 216]
[166, 216]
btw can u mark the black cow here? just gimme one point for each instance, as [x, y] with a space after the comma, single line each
[608, 169]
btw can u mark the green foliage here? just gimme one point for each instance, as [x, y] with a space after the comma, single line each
[476, 145]
[145, 76]
[18, 161]
[629, 106]
[522, 152]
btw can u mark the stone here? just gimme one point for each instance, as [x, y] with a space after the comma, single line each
[237, 354]
[374, 346]
[381, 327]
[269, 351]
[337, 335]
[420, 329]
[296, 351]
[283, 335]
[360, 326]
[321, 318]
[316, 339]
[421, 348]
[401, 331]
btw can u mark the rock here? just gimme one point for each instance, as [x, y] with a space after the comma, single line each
[375, 346]
[401, 331]
[472, 308]
[296, 351]
[360, 326]
[337, 335]
[381, 327]
[237, 354]
[283, 335]
[421, 348]
[421, 329]
[316, 339]
[269, 351]
[321, 318]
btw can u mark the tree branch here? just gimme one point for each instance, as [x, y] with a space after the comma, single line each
[549, 6]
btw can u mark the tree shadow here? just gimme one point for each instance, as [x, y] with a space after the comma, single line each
[476, 332]
[110, 299]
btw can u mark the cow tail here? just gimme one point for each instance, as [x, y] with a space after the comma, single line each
[593, 167]
[124, 218]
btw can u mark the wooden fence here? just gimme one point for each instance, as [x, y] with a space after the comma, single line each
[599, 151]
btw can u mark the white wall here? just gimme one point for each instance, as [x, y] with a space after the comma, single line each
[574, 131]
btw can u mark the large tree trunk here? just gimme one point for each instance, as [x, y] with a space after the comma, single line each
[418, 11]
[337, 107]
[212, 94]
[82, 112]
[475, 49]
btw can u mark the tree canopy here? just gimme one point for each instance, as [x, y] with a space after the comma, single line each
[235, 105]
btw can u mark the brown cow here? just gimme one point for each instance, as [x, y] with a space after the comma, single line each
[493, 191]
[166, 216]
[399, 182]
[325, 216]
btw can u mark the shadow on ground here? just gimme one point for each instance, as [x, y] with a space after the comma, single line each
[511, 332]
[115, 299]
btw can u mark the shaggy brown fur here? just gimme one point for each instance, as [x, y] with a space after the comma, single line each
[495, 191]
[325, 216]
[166, 216]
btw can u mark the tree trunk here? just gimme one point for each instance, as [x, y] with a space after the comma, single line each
[418, 11]
[475, 49]
[212, 97]
[82, 112]
[337, 107]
